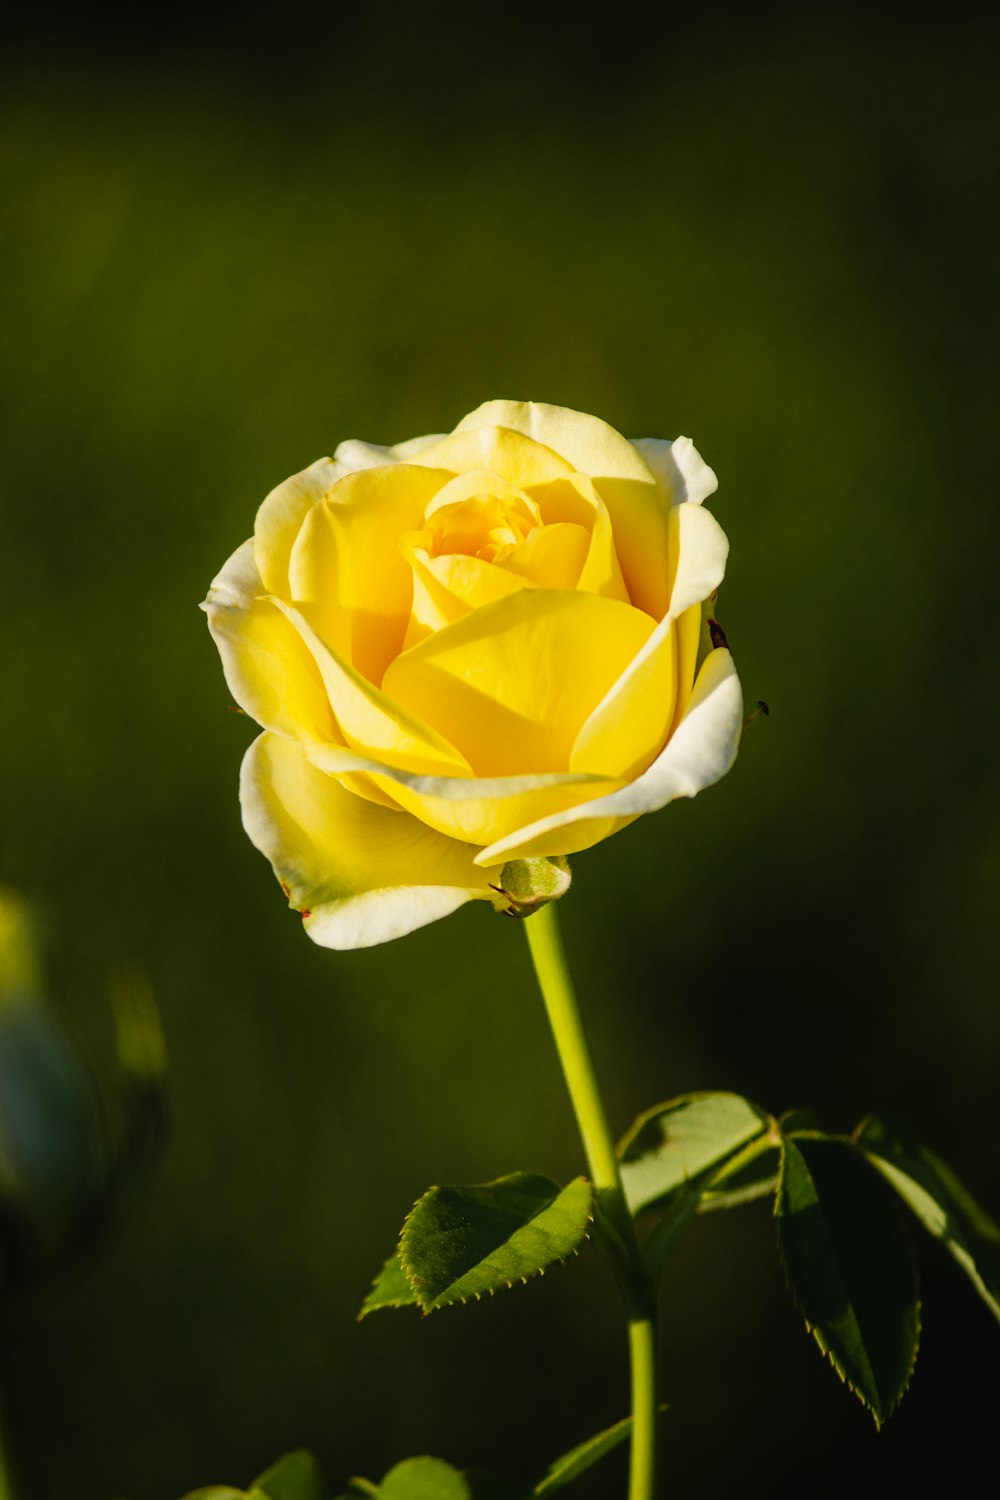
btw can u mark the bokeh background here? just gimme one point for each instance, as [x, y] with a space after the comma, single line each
[231, 242]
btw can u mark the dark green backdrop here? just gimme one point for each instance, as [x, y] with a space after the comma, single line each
[227, 248]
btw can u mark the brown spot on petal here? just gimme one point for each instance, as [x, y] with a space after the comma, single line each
[305, 914]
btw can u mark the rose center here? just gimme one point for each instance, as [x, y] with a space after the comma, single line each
[484, 526]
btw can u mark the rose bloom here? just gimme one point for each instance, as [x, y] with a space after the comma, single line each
[471, 649]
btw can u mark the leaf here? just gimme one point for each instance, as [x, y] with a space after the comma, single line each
[578, 1460]
[664, 1237]
[942, 1204]
[294, 1477]
[752, 1173]
[389, 1289]
[850, 1267]
[461, 1242]
[424, 1479]
[217, 1492]
[675, 1143]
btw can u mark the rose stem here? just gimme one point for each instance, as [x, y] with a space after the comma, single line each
[552, 971]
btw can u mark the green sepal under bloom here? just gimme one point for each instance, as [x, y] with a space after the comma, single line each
[527, 884]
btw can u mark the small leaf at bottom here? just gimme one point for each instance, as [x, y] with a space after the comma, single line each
[424, 1479]
[294, 1477]
[849, 1266]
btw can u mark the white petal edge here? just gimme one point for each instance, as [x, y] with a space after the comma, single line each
[701, 750]
[354, 453]
[346, 905]
[678, 468]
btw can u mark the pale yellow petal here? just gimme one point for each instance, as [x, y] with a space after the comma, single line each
[354, 454]
[473, 483]
[629, 727]
[346, 572]
[280, 518]
[573, 499]
[511, 685]
[679, 469]
[511, 455]
[360, 874]
[446, 588]
[637, 506]
[502, 806]
[700, 751]
[631, 723]
[550, 557]
[267, 667]
[369, 721]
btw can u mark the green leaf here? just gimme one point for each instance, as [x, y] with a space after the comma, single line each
[849, 1266]
[462, 1242]
[676, 1143]
[578, 1460]
[217, 1492]
[294, 1477]
[752, 1173]
[942, 1204]
[664, 1236]
[424, 1479]
[389, 1289]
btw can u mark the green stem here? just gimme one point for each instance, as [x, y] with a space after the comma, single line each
[552, 970]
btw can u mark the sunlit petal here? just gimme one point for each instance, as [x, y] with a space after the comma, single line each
[360, 874]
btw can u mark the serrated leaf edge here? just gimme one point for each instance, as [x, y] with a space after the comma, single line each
[366, 1311]
[437, 1305]
[878, 1417]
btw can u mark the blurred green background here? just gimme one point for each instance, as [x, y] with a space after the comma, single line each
[227, 247]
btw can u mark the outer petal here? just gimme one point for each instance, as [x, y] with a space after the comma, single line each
[280, 517]
[700, 752]
[679, 468]
[631, 723]
[369, 720]
[346, 571]
[360, 874]
[514, 456]
[354, 454]
[511, 684]
[267, 667]
[637, 506]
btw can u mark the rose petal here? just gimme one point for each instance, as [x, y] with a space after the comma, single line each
[267, 667]
[631, 723]
[574, 499]
[346, 573]
[360, 874]
[280, 517]
[369, 721]
[635, 501]
[511, 685]
[679, 469]
[700, 752]
[511, 455]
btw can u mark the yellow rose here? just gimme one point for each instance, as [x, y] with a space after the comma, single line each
[471, 649]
